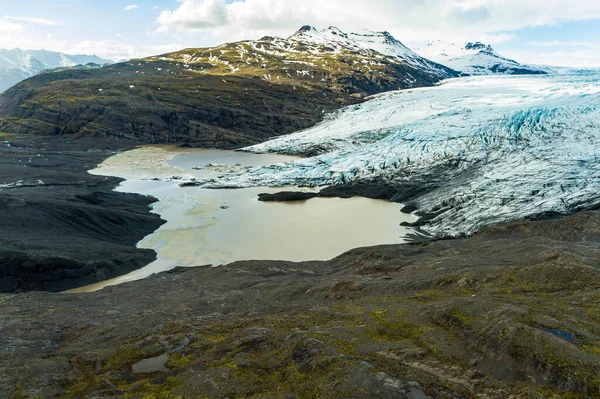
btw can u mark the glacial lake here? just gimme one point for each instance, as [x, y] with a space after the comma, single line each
[215, 227]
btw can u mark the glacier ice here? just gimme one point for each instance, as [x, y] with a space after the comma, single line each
[488, 149]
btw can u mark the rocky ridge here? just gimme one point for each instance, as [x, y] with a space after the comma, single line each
[61, 227]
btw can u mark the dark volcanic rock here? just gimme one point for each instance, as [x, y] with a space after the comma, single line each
[367, 190]
[61, 227]
[286, 196]
[396, 192]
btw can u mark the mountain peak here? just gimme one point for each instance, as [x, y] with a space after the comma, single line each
[17, 64]
[383, 37]
[474, 58]
[368, 43]
[334, 30]
[478, 46]
[304, 30]
[475, 46]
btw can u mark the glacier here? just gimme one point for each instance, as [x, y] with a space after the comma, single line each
[485, 150]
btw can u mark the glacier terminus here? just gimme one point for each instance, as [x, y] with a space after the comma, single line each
[483, 150]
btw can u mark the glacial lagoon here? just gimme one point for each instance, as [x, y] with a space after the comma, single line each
[214, 227]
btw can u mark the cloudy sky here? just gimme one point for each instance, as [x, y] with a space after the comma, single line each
[555, 32]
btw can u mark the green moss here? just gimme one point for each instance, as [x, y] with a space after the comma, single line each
[124, 358]
[179, 361]
[393, 328]
[7, 136]
[458, 315]
[430, 295]
[163, 390]
[593, 349]
[90, 381]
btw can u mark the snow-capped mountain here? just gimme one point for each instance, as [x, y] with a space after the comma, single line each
[355, 64]
[233, 94]
[476, 59]
[474, 151]
[17, 65]
[368, 42]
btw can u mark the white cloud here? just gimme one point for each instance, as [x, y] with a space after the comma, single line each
[7, 28]
[116, 50]
[37, 21]
[560, 53]
[496, 39]
[559, 43]
[131, 7]
[407, 19]
[109, 49]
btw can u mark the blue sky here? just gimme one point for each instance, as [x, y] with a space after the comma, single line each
[543, 32]
[579, 41]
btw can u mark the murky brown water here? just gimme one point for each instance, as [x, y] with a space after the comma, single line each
[215, 227]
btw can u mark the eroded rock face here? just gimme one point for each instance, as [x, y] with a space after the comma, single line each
[511, 311]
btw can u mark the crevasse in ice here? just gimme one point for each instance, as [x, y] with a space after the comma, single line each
[490, 149]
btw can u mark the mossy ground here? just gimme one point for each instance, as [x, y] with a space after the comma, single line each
[443, 314]
[433, 336]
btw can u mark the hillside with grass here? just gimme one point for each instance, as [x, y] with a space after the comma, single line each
[227, 96]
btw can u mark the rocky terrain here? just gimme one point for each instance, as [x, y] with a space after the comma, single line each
[75, 229]
[509, 313]
[228, 96]
[61, 227]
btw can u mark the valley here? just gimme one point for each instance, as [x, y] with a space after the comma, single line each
[325, 215]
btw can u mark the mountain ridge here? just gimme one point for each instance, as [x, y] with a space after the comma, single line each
[476, 58]
[17, 64]
[230, 95]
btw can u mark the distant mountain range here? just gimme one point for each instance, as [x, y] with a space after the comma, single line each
[231, 95]
[476, 59]
[17, 65]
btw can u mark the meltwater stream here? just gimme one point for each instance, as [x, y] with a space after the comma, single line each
[215, 227]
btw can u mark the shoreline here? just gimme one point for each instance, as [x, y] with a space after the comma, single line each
[65, 227]
[477, 320]
[84, 269]
[212, 227]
